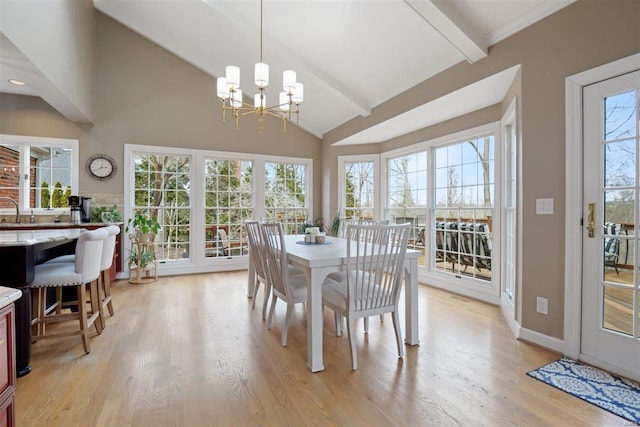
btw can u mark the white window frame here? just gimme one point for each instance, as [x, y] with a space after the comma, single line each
[24, 142]
[198, 262]
[512, 307]
[489, 292]
[342, 196]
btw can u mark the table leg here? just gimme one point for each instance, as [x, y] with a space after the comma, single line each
[411, 301]
[315, 319]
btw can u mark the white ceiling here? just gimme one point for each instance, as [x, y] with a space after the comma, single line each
[351, 55]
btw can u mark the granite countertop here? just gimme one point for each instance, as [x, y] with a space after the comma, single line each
[32, 237]
[8, 295]
[13, 225]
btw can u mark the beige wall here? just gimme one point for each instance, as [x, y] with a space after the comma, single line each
[584, 35]
[145, 95]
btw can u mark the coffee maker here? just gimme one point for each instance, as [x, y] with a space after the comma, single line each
[76, 210]
[85, 208]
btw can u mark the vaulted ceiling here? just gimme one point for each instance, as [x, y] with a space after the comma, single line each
[351, 55]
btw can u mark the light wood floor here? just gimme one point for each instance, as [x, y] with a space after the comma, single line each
[190, 351]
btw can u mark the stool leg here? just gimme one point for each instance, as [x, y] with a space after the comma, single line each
[42, 306]
[84, 327]
[100, 299]
[107, 291]
[95, 318]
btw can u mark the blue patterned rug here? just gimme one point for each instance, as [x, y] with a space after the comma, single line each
[615, 394]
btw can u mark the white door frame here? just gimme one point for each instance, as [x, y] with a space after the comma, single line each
[573, 193]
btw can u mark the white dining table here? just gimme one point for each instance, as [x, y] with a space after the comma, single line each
[318, 260]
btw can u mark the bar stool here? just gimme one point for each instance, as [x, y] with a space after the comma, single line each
[82, 272]
[104, 281]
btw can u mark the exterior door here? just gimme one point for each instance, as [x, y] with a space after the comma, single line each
[611, 240]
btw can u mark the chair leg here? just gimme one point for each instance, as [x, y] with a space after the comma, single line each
[338, 320]
[255, 294]
[271, 310]
[352, 342]
[396, 327]
[267, 295]
[287, 318]
[82, 308]
[366, 325]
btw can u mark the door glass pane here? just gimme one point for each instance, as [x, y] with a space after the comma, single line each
[618, 309]
[228, 202]
[619, 197]
[621, 116]
[619, 166]
[162, 190]
[285, 187]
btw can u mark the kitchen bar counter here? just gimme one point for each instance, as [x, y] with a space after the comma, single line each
[33, 237]
[20, 251]
[51, 225]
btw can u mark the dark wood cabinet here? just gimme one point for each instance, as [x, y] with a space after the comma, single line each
[7, 367]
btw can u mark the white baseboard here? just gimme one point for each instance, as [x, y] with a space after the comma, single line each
[542, 340]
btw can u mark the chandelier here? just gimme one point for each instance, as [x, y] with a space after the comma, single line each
[230, 94]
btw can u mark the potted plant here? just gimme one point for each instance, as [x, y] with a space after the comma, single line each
[142, 230]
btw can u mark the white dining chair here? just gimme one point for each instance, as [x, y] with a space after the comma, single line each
[290, 288]
[256, 256]
[83, 272]
[371, 285]
[339, 276]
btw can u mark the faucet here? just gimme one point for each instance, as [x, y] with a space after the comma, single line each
[16, 205]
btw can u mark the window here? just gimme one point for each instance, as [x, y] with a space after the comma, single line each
[228, 202]
[162, 190]
[201, 199]
[463, 207]
[38, 173]
[285, 188]
[358, 186]
[407, 195]
[445, 188]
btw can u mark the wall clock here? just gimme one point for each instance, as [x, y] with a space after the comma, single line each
[101, 167]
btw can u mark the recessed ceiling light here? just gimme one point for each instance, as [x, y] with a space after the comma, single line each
[17, 82]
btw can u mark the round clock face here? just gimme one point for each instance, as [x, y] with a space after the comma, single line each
[101, 166]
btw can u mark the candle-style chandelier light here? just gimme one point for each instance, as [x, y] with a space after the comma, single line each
[230, 94]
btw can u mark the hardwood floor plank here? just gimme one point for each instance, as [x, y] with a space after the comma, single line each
[190, 351]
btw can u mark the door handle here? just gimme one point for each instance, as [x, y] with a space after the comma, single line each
[591, 223]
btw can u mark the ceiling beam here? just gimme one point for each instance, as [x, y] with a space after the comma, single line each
[461, 35]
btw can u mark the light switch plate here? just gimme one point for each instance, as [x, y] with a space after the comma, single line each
[544, 206]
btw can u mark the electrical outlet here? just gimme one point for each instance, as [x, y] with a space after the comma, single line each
[542, 305]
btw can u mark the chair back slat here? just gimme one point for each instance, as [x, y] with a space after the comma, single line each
[375, 263]
[275, 256]
[256, 247]
[345, 223]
